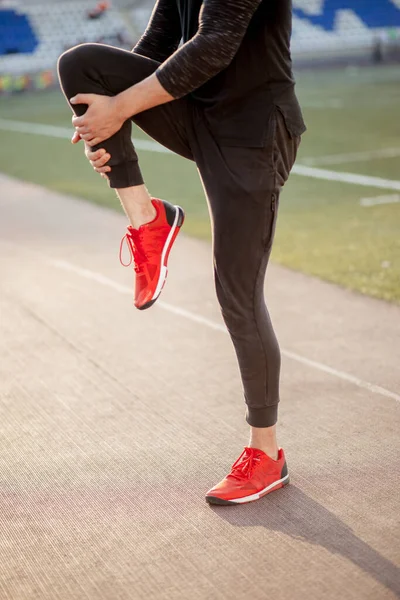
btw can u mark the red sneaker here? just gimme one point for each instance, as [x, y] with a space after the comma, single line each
[253, 475]
[149, 248]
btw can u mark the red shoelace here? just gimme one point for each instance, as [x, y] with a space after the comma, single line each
[137, 255]
[243, 468]
[143, 243]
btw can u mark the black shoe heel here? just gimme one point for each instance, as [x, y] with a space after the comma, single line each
[181, 217]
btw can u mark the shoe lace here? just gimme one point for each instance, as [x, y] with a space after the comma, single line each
[243, 468]
[134, 242]
[143, 243]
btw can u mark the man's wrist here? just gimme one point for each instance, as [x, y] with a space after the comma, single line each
[141, 96]
[124, 105]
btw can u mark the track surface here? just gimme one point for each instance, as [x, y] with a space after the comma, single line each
[114, 423]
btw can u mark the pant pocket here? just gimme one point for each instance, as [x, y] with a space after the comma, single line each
[271, 214]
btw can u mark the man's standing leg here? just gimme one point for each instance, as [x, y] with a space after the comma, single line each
[243, 187]
[104, 70]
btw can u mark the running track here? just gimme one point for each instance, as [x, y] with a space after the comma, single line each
[113, 424]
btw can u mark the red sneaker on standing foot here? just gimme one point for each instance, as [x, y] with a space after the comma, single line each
[149, 248]
[253, 475]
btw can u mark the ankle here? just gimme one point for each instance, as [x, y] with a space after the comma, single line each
[264, 438]
[137, 204]
[142, 215]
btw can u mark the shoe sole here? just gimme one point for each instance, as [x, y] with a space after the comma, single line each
[277, 485]
[169, 242]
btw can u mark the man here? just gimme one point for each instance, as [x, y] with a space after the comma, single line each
[225, 99]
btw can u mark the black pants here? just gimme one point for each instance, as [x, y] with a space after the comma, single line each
[242, 187]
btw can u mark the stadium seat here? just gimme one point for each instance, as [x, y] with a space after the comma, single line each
[53, 30]
[16, 34]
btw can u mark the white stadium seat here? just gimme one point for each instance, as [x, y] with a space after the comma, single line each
[59, 26]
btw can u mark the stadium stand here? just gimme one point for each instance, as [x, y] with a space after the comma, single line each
[328, 30]
[60, 26]
[33, 33]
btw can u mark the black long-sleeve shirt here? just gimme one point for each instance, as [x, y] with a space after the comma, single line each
[234, 60]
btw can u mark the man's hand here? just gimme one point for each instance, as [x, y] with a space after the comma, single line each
[101, 120]
[106, 115]
[97, 159]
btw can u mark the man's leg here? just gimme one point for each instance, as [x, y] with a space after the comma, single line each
[104, 70]
[243, 187]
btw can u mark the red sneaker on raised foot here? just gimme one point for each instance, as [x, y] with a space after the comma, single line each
[149, 248]
[253, 475]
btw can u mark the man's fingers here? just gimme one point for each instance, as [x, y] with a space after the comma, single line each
[77, 121]
[102, 169]
[96, 154]
[75, 138]
[82, 130]
[95, 141]
[82, 99]
[100, 162]
[88, 137]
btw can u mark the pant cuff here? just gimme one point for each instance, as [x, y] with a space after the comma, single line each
[262, 417]
[125, 175]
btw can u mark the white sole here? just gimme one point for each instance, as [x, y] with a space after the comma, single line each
[261, 493]
[256, 496]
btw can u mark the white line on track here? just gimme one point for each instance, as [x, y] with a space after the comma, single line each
[181, 312]
[66, 133]
[303, 170]
[378, 182]
[338, 159]
[377, 200]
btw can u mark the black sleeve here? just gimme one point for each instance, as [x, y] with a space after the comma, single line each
[222, 26]
[163, 33]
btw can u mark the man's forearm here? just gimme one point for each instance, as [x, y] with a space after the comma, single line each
[222, 26]
[141, 96]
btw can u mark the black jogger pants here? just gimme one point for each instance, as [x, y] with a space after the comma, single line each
[242, 187]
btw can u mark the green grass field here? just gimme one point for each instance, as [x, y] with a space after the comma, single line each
[322, 229]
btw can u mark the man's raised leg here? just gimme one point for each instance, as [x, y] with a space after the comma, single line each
[154, 224]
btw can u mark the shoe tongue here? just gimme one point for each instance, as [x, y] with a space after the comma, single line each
[256, 452]
[244, 461]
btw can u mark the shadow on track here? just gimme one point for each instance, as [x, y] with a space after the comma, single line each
[294, 513]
